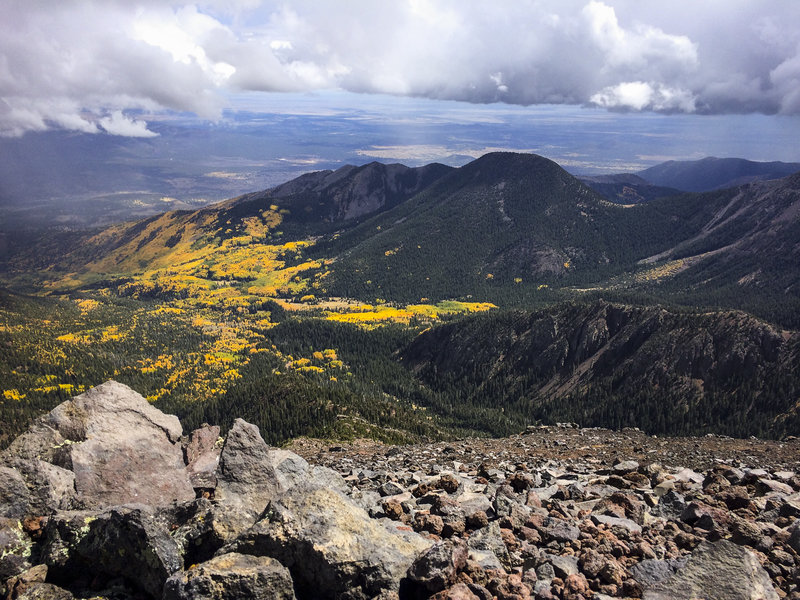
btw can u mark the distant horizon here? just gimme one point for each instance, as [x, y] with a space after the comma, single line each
[200, 101]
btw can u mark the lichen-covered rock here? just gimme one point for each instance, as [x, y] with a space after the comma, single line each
[125, 541]
[43, 591]
[330, 545]
[15, 550]
[232, 577]
[716, 571]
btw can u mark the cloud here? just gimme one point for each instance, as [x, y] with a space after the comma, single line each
[639, 95]
[119, 124]
[72, 63]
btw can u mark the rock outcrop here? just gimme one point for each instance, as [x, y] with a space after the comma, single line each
[464, 521]
[113, 443]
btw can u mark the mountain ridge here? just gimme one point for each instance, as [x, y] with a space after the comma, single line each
[711, 173]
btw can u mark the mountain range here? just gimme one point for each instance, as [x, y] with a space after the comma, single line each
[664, 309]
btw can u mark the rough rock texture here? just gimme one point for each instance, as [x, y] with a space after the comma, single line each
[14, 496]
[559, 512]
[124, 541]
[720, 570]
[201, 454]
[330, 545]
[15, 550]
[437, 568]
[118, 446]
[232, 577]
[246, 478]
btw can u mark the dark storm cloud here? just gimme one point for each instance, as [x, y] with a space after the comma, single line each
[91, 65]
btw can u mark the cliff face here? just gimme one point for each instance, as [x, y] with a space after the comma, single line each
[555, 513]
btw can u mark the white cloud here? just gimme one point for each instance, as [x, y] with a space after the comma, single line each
[70, 63]
[118, 124]
[639, 95]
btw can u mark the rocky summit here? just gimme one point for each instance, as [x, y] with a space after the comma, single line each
[105, 496]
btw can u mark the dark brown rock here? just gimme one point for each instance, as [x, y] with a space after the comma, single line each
[436, 568]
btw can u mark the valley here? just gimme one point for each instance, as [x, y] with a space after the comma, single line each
[425, 303]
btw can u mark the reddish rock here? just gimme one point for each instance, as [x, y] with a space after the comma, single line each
[459, 591]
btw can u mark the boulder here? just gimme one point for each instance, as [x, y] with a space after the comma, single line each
[488, 549]
[246, 478]
[50, 487]
[14, 496]
[231, 577]
[124, 541]
[15, 550]
[716, 571]
[612, 522]
[201, 455]
[794, 536]
[330, 545]
[436, 568]
[120, 448]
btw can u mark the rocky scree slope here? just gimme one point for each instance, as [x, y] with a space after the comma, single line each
[87, 511]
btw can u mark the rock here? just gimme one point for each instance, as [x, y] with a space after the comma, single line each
[559, 530]
[120, 448]
[487, 547]
[330, 545]
[716, 571]
[43, 591]
[391, 488]
[50, 487]
[201, 455]
[436, 568]
[770, 486]
[247, 478]
[14, 496]
[31, 585]
[124, 541]
[794, 536]
[15, 549]
[670, 506]
[625, 466]
[652, 571]
[231, 577]
[459, 591]
[610, 522]
[564, 565]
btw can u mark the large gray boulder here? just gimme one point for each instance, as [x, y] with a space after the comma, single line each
[14, 496]
[123, 541]
[330, 544]
[251, 473]
[49, 487]
[120, 449]
[716, 571]
[246, 478]
[232, 577]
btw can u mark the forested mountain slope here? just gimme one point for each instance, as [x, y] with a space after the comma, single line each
[609, 364]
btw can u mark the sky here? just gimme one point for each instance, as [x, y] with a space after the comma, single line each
[430, 79]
